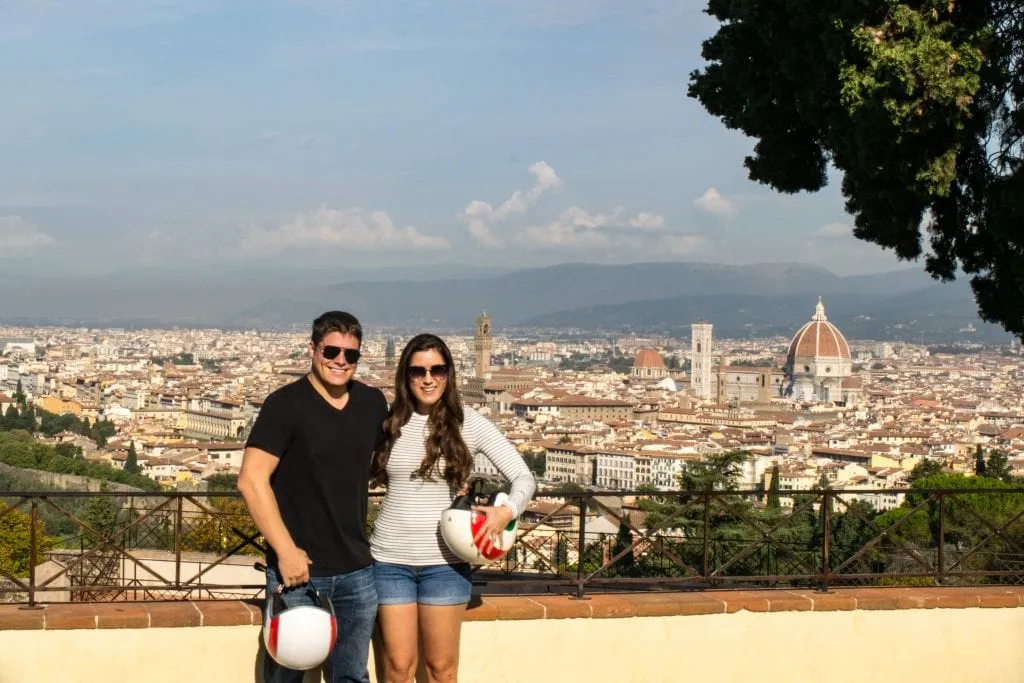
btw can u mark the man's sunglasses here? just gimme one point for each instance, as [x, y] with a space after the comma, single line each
[332, 352]
[436, 371]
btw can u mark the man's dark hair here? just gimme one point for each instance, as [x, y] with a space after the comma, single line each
[336, 321]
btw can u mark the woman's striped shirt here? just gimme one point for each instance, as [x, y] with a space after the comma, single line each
[407, 530]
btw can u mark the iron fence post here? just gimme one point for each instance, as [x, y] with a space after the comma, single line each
[178, 520]
[707, 535]
[581, 551]
[826, 559]
[941, 559]
[33, 558]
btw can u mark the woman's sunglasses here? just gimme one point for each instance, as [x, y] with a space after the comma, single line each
[436, 371]
[332, 352]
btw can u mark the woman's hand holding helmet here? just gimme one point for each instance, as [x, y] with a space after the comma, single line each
[498, 517]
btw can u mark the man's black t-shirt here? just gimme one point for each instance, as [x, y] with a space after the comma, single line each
[322, 481]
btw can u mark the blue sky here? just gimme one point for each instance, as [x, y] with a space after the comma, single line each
[500, 132]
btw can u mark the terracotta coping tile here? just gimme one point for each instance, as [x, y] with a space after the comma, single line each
[173, 614]
[607, 606]
[563, 607]
[481, 611]
[13, 618]
[121, 615]
[516, 607]
[743, 600]
[876, 598]
[70, 615]
[1000, 597]
[832, 601]
[784, 601]
[676, 604]
[611, 606]
[224, 613]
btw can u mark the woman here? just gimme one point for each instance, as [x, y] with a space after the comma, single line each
[430, 441]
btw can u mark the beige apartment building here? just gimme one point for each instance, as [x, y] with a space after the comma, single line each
[574, 408]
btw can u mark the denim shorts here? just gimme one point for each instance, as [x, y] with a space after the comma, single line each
[439, 584]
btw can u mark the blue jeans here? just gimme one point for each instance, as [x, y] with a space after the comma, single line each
[354, 596]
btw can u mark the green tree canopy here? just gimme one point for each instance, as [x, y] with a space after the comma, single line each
[999, 466]
[774, 503]
[131, 461]
[720, 471]
[16, 543]
[919, 106]
[925, 468]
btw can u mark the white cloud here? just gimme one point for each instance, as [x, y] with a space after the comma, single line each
[834, 231]
[714, 203]
[575, 227]
[353, 229]
[647, 221]
[17, 234]
[480, 217]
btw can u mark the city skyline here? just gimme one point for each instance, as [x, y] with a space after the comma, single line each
[493, 133]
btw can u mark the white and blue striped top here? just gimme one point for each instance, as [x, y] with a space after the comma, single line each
[407, 530]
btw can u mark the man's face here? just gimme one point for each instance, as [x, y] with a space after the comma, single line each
[337, 371]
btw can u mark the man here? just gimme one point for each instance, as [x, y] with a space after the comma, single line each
[305, 479]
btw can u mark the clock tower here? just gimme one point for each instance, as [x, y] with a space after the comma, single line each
[483, 345]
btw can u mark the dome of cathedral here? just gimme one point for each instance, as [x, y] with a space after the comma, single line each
[648, 358]
[818, 339]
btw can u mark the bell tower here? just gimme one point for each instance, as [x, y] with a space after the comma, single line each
[483, 345]
[389, 353]
[701, 341]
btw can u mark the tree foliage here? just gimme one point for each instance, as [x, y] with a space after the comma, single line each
[980, 467]
[536, 460]
[773, 490]
[925, 468]
[222, 531]
[920, 105]
[720, 471]
[998, 466]
[16, 543]
[131, 461]
[19, 449]
[100, 514]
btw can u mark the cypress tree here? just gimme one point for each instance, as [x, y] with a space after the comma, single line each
[131, 464]
[773, 490]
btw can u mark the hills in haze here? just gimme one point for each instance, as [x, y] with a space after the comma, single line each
[740, 300]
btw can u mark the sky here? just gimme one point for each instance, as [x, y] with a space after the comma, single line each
[221, 133]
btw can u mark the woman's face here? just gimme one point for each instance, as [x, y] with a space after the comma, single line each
[428, 375]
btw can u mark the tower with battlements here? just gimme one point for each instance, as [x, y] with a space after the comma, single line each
[483, 345]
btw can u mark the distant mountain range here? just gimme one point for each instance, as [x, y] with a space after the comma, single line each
[761, 299]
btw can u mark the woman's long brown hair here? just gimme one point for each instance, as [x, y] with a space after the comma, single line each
[445, 422]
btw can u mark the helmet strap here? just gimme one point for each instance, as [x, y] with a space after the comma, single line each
[467, 500]
[277, 604]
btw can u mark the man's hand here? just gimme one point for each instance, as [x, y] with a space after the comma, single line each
[293, 565]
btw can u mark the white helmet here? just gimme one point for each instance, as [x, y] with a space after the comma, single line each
[300, 637]
[460, 524]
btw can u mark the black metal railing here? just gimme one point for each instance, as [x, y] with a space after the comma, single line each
[78, 546]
